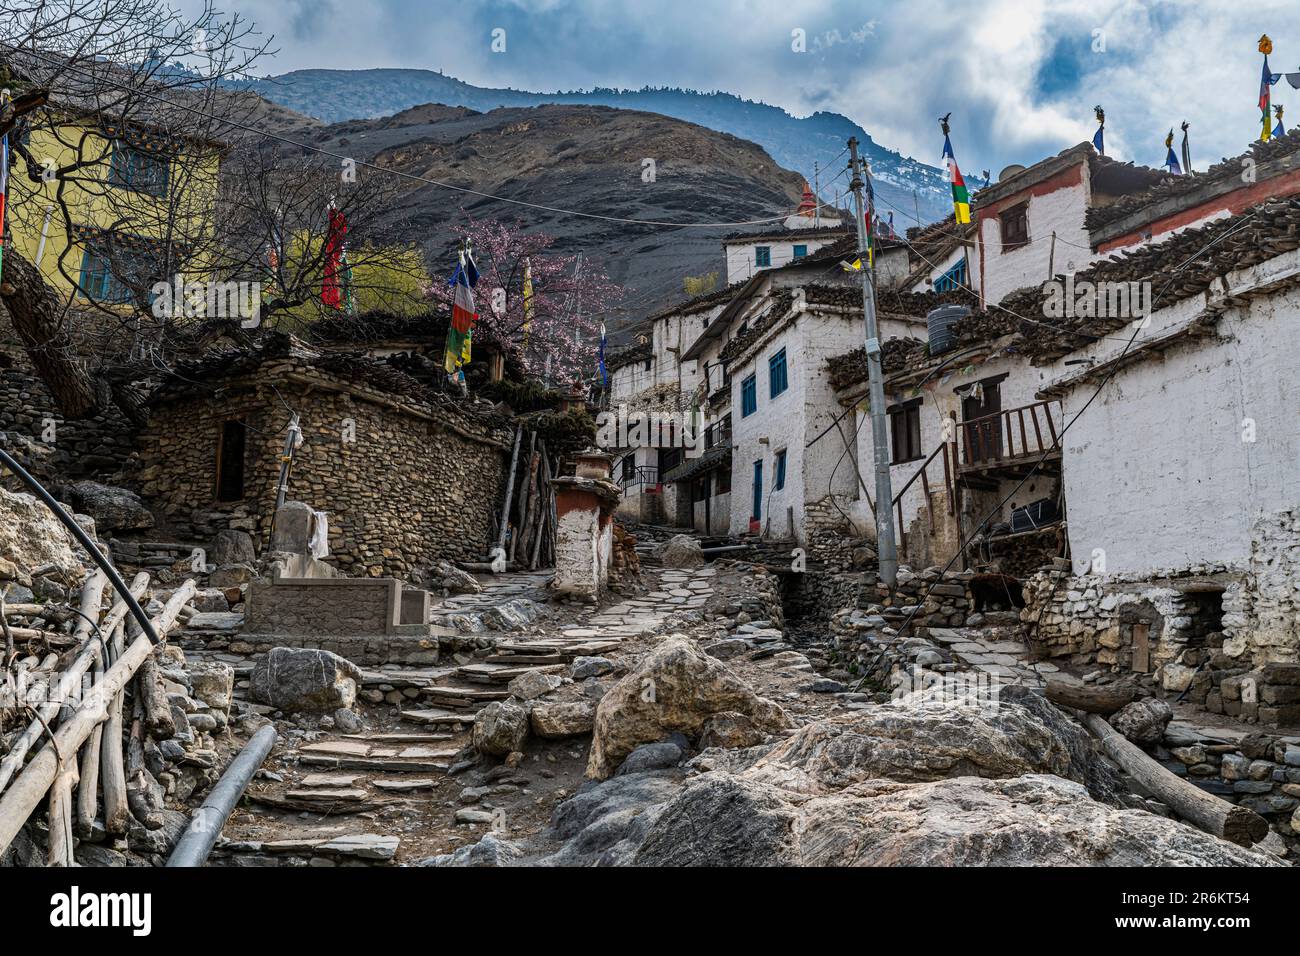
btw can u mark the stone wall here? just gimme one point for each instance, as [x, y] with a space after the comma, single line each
[1257, 771]
[403, 487]
[1201, 628]
[97, 446]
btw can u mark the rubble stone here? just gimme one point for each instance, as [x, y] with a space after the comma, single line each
[304, 680]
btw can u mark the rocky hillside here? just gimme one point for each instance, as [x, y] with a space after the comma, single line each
[585, 158]
[794, 142]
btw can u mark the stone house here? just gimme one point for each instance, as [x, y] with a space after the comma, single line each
[406, 475]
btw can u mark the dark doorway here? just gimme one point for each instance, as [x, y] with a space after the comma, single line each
[230, 461]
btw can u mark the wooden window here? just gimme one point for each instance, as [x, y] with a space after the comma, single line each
[748, 397]
[777, 379]
[800, 252]
[1015, 227]
[778, 479]
[230, 462]
[905, 431]
[137, 170]
[762, 256]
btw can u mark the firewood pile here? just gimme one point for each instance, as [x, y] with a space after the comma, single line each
[103, 735]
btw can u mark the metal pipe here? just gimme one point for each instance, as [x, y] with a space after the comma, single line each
[84, 540]
[205, 826]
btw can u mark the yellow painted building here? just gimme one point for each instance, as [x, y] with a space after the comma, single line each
[140, 205]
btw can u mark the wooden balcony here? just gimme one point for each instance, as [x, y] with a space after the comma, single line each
[1008, 443]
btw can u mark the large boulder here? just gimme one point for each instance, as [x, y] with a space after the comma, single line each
[500, 728]
[31, 537]
[554, 721]
[113, 508]
[445, 576]
[1143, 721]
[232, 546]
[676, 687]
[305, 680]
[910, 742]
[1029, 820]
[681, 551]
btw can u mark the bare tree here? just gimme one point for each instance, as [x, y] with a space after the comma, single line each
[155, 168]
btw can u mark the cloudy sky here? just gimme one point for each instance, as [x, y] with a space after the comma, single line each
[1020, 76]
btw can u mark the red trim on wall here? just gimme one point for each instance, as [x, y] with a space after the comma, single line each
[1233, 203]
[1065, 179]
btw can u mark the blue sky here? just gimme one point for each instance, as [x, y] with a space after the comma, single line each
[1020, 76]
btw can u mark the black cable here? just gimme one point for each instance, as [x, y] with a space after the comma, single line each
[85, 541]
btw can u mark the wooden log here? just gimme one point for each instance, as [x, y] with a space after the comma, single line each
[69, 681]
[88, 780]
[1204, 810]
[18, 802]
[158, 718]
[59, 848]
[112, 763]
[1092, 699]
[143, 795]
[544, 511]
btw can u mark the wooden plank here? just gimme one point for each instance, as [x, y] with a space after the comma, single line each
[1141, 647]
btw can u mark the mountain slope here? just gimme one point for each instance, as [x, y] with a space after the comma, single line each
[584, 158]
[795, 143]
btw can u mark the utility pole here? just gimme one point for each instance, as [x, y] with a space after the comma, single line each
[886, 549]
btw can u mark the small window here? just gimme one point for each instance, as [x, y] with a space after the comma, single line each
[800, 252]
[629, 466]
[953, 279]
[1015, 227]
[230, 462]
[776, 377]
[748, 397]
[778, 479]
[905, 431]
[647, 364]
[762, 256]
[137, 170]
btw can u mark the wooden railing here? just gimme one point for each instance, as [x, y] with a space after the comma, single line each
[947, 451]
[1006, 435]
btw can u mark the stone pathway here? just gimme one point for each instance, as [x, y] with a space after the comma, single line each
[991, 651]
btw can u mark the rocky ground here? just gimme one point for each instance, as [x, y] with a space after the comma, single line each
[682, 721]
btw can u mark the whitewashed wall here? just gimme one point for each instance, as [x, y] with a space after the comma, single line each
[793, 419]
[1157, 474]
[740, 255]
[1063, 211]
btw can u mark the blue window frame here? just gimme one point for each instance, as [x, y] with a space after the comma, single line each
[800, 252]
[778, 476]
[756, 512]
[762, 256]
[102, 275]
[777, 380]
[954, 278]
[135, 169]
[748, 396]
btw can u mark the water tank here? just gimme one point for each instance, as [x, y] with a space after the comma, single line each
[942, 325]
